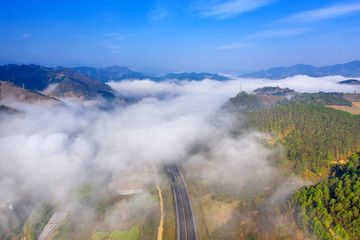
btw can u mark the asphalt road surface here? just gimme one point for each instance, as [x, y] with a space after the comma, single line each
[52, 224]
[186, 225]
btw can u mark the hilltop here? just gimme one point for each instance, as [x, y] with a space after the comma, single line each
[8, 110]
[274, 91]
[8, 91]
[350, 81]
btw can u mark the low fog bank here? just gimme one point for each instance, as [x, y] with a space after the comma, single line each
[302, 83]
[48, 151]
[232, 162]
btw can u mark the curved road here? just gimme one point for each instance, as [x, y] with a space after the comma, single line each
[186, 225]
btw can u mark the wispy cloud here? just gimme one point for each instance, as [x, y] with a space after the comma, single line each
[25, 35]
[325, 13]
[159, 14]
[115, 36]
[164, 10]
[115, 48]
[231, 8]
[278, 33]
[233, 46]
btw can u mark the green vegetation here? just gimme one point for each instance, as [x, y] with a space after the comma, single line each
[84, 191]
[306, 138]
[249, 101]
[274, 91]
[314, 136]
[100, 208]
[169, 229]
[35, 224]
[321, 99]
[132, 234]
[156, 198]
[330, 209]
[100, 235]
[254, 102]
[65, 230]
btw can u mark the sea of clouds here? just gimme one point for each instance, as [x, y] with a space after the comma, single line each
[48, 150]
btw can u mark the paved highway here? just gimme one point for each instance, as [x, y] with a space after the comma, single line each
[186, 225]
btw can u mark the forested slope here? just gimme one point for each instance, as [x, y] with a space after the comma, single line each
[330, 209]
[320, 98]
[314, 136]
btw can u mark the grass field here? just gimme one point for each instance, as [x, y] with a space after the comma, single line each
[132, 234]
[169, 209]
[100, 235]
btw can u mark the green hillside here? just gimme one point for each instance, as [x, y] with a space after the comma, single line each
[244, 101]
[321, 99]
[330, 209]
[314, 136]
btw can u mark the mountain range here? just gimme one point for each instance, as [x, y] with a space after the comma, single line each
[84, 83]
[64, 82]
[87, 83]
[351, 69]
[117, 73]
[113, 73]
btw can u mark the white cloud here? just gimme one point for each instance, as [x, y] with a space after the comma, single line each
[115, 36]
[49, 150]
[325, 13]
[115, 48]
[280, 33]
[41, 152]
[159, 14]
[25, 35]
[233, 46]
[301, 83]
[231, 8]
[164, 10]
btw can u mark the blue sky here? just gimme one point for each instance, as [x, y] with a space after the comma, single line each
[188, 35]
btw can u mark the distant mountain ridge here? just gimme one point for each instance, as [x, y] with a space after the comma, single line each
[118, 73]
[66, 81]
[350, 82]
[84, 83]
[351, 69]
[114, 73]
[192, 76]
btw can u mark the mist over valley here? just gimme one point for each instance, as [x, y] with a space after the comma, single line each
[180, 120]
[98, 158]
